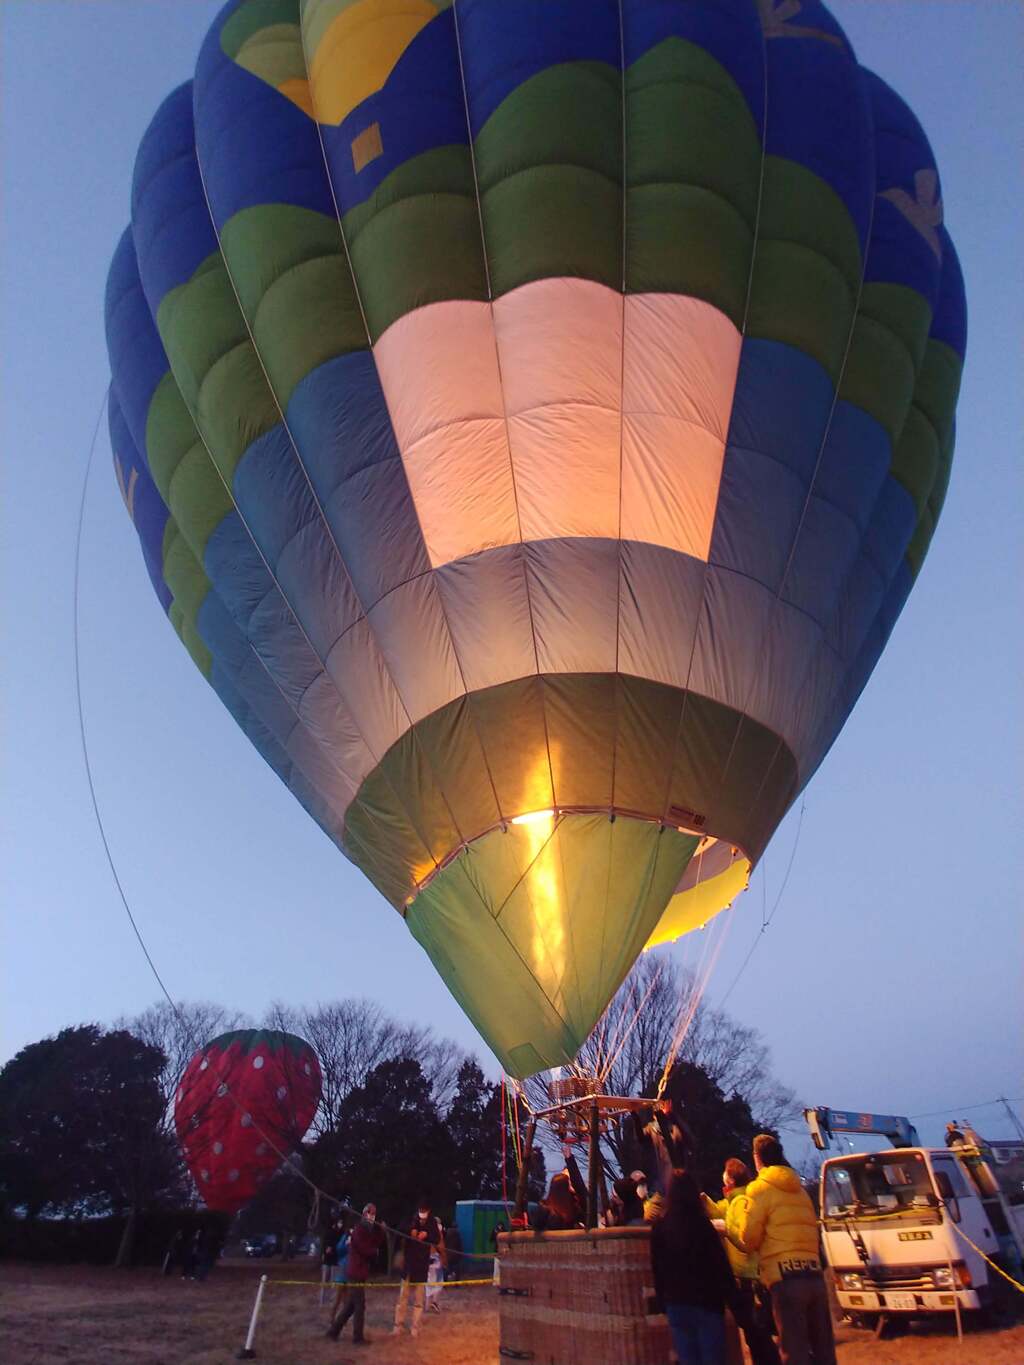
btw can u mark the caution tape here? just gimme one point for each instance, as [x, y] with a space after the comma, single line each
[374, 1284]
[988, 1259]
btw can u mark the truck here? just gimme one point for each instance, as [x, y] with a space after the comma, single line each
[907, 1231]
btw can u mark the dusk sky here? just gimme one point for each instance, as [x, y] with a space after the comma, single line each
[890, 978]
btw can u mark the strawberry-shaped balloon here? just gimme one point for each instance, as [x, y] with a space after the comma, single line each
[244, 1103]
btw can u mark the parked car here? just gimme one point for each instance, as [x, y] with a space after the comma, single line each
[262, 1245]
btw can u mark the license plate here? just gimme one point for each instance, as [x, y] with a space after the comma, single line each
[903, 1303]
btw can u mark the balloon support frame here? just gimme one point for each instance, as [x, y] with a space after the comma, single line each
[582, 1118]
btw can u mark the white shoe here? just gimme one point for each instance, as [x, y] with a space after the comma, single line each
[396, 1331]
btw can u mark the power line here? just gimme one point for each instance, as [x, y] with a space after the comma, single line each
[965, 1108]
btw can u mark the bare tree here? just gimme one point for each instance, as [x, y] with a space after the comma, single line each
[351, 1037]
[179, 1033]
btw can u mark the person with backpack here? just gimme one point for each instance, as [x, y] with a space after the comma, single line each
[747, 1308]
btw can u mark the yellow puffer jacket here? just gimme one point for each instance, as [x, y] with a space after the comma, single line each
[744, 1264]
[774, 1217]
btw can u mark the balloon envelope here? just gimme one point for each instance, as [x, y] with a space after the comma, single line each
[535, 417]
[244, 1105]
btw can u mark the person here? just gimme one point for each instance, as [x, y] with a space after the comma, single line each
[565, 1203]
[175, 1252]
[652, 1200]
[954, 1137]
[691, 1275]
[329, 1259]
[747, 1307]
[627, 1207]
[339, 1273]
[364, 1244]
[422, 1233]
[435, 1276]
[774, 1216]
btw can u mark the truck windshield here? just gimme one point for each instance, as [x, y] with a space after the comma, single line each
[881, 1183]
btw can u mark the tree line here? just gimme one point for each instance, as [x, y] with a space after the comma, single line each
[86, 1117]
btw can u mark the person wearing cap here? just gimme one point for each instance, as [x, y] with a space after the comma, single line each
[774, 1217]
[365, 1241]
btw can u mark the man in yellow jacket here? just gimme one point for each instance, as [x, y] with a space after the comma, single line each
[775, 1218]
[744, 1265]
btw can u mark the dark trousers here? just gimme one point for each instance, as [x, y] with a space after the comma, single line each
[803, 1321]
[747, 1311]
[354, 1307]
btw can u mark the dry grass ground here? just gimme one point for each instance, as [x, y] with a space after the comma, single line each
[83, 1316]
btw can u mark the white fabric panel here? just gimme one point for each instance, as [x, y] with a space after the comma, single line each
[356, 664]
[659, 605]
[439, 370]
[752, 654]
[679, 376]
[333, 729]
[574, 594]
[461, 482]
[489, 616]
[560, 351]
[410, 628]
[567, 471]
[671, 471]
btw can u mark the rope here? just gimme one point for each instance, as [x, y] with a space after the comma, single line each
[376, 1284]
[987, 1259]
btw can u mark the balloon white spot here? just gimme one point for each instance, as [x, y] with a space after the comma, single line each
[281, 1092]
[232, 1175]
[306, 1068]
[222, 1090]
[246, 1120]
[218, 1147]
[204, 1064]
[205, 1173]
[179, 1094]
[257, 1063]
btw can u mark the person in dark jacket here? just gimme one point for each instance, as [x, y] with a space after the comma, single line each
[364, 1244]
[565, 1203]
[627, 1206]
[692, 1277]
[421, 1233]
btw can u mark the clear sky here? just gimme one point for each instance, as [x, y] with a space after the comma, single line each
[891, 976]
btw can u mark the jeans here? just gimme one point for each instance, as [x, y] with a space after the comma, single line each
[803, 1321]
[354, 1307]
[698, 1334]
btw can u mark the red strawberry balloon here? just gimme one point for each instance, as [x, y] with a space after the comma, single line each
[244, 1103]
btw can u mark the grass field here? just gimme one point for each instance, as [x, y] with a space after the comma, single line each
[78, 1315]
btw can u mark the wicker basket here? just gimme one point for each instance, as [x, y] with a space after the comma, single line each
[585, 1298]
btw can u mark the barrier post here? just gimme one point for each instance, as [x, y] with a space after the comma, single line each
[247, 1352]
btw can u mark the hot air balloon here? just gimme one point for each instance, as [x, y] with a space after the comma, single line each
[535, 417]
[242, 1107]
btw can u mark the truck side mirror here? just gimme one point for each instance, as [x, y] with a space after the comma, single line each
[945, 1187]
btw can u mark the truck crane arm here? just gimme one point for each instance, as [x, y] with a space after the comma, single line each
[825, 1123]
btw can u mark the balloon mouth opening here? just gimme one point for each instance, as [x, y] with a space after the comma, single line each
[679, 820]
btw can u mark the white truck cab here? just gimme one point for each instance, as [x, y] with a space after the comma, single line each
[898, 1226]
